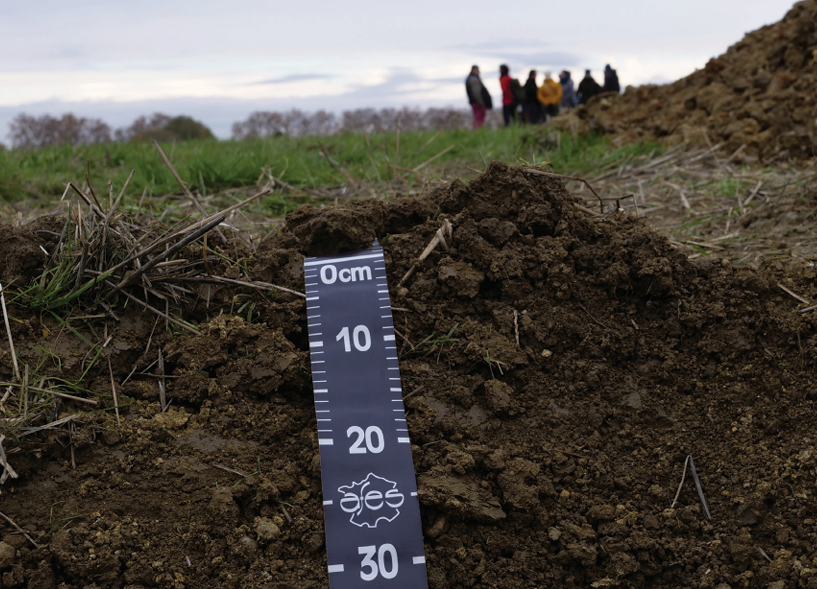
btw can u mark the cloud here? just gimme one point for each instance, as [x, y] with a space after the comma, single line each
[526, 52]
[557, 58]
[497, 45]
[457, 80]
[293, 78]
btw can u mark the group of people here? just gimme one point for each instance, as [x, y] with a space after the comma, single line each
[532, 103]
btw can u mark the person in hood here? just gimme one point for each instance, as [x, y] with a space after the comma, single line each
[531, 106]
[508, 100]
[478, 97]
[588, 88]
[610, 80]
[569, 98]
[550, 96]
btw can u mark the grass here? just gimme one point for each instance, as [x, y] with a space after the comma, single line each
[209, 166]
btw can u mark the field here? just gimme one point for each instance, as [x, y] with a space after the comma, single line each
[598, 314]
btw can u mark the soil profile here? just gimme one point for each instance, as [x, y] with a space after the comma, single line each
[559, 367]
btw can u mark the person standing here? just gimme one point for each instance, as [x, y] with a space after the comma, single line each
[531, 105]
[569, 99]
[610, 80]
[508, 100]
[550, 97]
[588, 88]
[478, 97]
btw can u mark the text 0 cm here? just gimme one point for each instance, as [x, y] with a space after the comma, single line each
[330, 274]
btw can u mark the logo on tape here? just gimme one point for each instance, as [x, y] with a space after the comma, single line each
[371, 501]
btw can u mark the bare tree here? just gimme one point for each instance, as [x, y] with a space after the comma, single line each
[296, 123]
[29, 131]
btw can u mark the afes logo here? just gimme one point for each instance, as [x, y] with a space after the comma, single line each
[371, 500]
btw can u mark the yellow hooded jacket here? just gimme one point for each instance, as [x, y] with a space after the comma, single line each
[550, 92]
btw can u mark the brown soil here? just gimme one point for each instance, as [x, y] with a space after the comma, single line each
[587, 359]
[761, 93]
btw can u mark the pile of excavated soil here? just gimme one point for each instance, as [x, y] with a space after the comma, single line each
[761, 93]
[586, 360]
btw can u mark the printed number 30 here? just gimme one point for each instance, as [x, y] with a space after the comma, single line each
[361, 338]
[373, 436]
[378, 567]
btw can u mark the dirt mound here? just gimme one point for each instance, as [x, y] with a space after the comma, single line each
[559, 368]
[761, 93]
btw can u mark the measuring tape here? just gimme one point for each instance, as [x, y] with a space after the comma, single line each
[371, 510]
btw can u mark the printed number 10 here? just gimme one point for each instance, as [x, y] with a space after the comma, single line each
[360, 338]
[378, 567]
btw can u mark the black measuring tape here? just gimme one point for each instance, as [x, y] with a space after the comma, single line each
[374, 536]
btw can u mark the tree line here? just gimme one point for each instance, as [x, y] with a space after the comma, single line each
[27, 131]
[296, 123]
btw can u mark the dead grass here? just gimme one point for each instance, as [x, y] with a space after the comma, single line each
[101, 262]
[708, 205]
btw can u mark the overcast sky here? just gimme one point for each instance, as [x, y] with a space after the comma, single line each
[219, 61]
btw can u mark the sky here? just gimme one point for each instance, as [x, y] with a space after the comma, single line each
[220, 61]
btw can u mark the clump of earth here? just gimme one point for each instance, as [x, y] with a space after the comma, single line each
[760, 96]
[559, 369]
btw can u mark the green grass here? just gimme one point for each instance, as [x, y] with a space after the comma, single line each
[211, 165]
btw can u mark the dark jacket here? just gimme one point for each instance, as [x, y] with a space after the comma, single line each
[477, 92]
[611, 81]
[530, 91]
[588, 88]
[569, 98]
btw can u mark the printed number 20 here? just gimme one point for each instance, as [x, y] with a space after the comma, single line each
[360, 337]
[373, 436]
[378, 567]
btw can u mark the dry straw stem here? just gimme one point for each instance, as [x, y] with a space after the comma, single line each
[414, 392]
[691, 463]
[26, 431]
[699, 488]
[681, 193]
[169, 252]
[256, 284]
[681, 484]
[18, 528]
[516, 326]
[796, 296]
[8, 331]
[230, 470]
[113, 390]
[115, 203]
[538, 172]
[431, 159]
[53, 393]
[349, 178]
[88, 182]
[160, 372]
[94, 208]
[175, 322]
[439, 238]
[273, 181]
[173, 171]
[8, 471]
